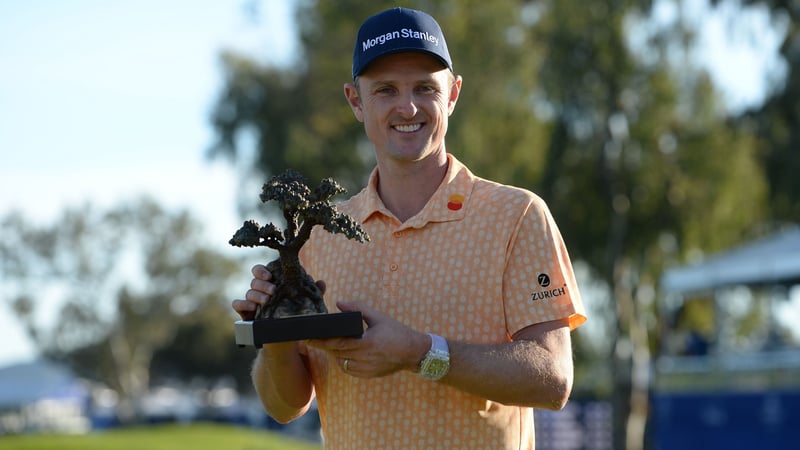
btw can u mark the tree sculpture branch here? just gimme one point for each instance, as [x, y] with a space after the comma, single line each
[296, 292]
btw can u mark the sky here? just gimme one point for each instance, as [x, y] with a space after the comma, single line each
[102, 101]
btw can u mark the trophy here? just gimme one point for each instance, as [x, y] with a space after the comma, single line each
[296, 309]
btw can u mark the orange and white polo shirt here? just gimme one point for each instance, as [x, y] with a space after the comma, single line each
[480, 262]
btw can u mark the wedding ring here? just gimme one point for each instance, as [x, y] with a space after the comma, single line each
[346, 364]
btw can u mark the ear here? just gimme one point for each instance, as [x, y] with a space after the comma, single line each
[455, 90]
[354, 100]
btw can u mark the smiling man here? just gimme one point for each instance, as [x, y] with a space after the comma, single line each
[466, 287]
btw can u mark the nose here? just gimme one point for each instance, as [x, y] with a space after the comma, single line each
[407, 105]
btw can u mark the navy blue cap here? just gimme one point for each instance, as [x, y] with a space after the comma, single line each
[398, 30]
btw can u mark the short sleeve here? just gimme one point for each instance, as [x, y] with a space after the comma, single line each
[539, 282]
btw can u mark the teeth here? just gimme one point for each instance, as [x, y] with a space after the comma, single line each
[408, 128]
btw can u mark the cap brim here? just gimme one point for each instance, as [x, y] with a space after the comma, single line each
[395, 51]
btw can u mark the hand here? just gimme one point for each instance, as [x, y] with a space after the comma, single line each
[261, 290]
[386, 347]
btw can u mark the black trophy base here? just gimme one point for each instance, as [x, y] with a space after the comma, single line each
[297, 328]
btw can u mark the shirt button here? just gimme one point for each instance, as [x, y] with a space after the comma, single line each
[393, 267]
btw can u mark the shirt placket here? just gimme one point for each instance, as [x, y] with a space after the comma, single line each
[393, 268]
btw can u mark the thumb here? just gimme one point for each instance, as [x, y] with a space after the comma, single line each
[321, 286]
[351, 306]
[370, 315]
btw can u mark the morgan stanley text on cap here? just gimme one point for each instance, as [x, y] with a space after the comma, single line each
[398, 30]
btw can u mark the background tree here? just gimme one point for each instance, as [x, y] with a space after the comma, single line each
[595, 106]
[296, 113]
[301, 121]
[107, 292]
[646, 149]
[777, 120]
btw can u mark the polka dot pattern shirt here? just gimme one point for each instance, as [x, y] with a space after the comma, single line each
[480, 262]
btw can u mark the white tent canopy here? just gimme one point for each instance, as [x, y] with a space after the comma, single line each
[772, 260]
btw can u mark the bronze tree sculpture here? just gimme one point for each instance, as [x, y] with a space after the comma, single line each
[296, 293]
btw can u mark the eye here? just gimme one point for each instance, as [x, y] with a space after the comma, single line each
[384, 90]
[427, 89]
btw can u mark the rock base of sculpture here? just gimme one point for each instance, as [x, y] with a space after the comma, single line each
[297, 328]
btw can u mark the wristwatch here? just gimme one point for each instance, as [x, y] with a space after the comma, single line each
[436, 362]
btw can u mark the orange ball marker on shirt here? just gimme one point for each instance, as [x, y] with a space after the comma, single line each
[456, 202]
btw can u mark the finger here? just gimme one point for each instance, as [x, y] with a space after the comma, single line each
[328, 345]
[370, 316]
[245, 309]
[241, 306]
[321, 286]
[353, 368]
[351, 306]
[261, 272]
[263, 286]
[335, 344]
[256, 296]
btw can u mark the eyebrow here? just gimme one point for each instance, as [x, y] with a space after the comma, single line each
[388, 82]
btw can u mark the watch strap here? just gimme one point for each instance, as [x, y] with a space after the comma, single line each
[436, 362]
[439, 344]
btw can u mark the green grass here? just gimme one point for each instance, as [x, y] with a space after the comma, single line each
[162, 437]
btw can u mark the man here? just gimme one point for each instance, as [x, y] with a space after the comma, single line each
[478, 265]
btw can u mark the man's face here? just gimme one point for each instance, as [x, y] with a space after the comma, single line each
[404, 101]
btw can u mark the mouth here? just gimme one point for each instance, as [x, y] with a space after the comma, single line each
[407, 128]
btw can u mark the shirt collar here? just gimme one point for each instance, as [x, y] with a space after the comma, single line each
[449, 202]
